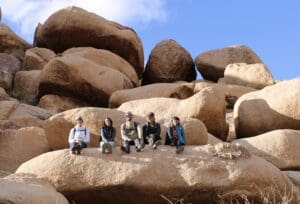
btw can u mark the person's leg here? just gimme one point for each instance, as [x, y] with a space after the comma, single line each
[102, 149]
[80, 146]
[125, 146]
[113, 144]
[156, 141]
[145, 140]
[179, 146]
[137, 145]
[108, 148]
[72, 147]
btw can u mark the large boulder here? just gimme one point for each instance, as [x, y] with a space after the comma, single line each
[232, 92]
[256, 76]
[14, 115]
[36, 58]
[68, 28]
[82, 79]
[169, 62]
[6, 80]
[3, 95]
[166, 90]
[26, 85]
[294, 176]
[106, 58]
[26, 189]
[9, 65]
[57, 104]
[280, 147]
[58, 126]
[18, 146]
[212, 64]
[208, 106]
[212, 139]
[274, 107]
[10, 43]
[202, 174]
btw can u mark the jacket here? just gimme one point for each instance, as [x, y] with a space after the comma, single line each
[107, 134]
[81, 134]
[149, 129]
[180, 132]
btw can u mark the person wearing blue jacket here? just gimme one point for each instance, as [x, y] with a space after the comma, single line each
[175, 135]
[79, 136]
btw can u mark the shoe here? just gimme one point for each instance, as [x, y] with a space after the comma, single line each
[156, 144]
[125, 149]
[143, 146]
[138, 149]
[78, 152]
[179, 150]
[72, 151]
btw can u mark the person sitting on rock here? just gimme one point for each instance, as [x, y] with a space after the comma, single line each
[175, 135]
[107, 136]
[131, 133]
[79, 136]
[151, 131]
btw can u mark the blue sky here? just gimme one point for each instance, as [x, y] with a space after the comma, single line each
[270, 28]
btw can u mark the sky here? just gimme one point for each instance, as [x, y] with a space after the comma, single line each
[270, 28]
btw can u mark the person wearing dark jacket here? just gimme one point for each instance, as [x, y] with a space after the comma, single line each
[107, 136]
[151, 132]
[175, 135]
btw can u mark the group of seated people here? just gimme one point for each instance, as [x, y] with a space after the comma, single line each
[132, 133]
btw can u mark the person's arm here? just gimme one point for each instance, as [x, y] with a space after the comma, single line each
[158, 131]
[123, 134]
[169, 133]
[114, 134]
[182, 134]
[87, 136]
[103, 136]
[71, 136]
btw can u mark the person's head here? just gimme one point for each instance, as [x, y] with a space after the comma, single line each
[129, 116]
[175, 121]
[107, 122]
[79, 120]
[151, 117]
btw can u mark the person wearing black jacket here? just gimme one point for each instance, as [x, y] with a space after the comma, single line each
[107, 136]
[151, 132]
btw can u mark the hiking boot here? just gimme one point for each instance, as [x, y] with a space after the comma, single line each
[156, 144]
[138, 148]
[179, 150]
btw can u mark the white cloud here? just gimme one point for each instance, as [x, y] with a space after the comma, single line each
[26, 14]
